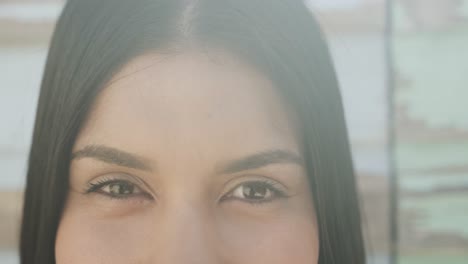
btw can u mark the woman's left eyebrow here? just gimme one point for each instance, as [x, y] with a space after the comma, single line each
[261, 159]
[113, 156]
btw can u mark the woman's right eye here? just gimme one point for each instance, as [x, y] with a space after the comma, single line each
[119, 189]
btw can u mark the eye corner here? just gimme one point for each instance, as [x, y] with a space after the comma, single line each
[128, 187]
[270, 187]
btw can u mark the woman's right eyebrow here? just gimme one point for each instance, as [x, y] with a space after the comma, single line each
[113, 156]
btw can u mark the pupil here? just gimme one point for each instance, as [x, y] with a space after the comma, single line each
[121, 188]
[255, 191]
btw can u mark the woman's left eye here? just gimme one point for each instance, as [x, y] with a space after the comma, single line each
[119, 188]
[257, 192]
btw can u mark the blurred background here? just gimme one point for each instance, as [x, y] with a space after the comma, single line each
[403, 69]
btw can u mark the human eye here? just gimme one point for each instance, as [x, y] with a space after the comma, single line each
[257, 192]
[117, 187]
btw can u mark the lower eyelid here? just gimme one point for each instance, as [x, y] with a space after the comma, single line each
[98, 187]
[276, 192]
[130, 199]
[131, 196]
[275, 187]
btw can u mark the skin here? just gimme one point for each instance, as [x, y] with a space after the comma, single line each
[171, 133]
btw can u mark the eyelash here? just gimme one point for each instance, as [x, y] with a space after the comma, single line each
[270, 185]
[101, 183]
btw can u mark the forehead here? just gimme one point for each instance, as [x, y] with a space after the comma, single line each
[210, 102]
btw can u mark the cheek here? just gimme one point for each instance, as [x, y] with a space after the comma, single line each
[293, 245]
[275, 237]
[287, 239]
[85, 239]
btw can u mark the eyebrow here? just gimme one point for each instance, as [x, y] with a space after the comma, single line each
[113, 156]
[121, 158]
[261, 159]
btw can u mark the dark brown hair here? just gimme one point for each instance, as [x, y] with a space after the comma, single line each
[94, 38]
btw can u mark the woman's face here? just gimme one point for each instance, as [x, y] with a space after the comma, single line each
[186, 159]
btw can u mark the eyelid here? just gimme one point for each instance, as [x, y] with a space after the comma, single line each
[279, 189]
[255, 178]
[104, 180]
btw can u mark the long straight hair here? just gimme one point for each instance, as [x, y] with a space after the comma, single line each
[94, 39]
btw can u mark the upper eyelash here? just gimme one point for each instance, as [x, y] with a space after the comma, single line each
[94, 187]
[269, 184]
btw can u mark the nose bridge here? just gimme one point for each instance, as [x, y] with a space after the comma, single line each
[186, 234]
